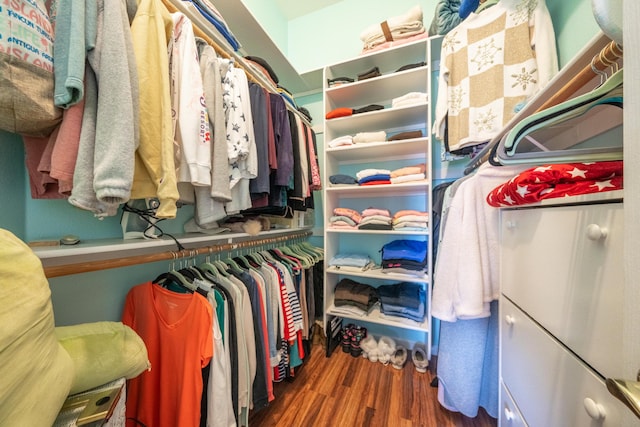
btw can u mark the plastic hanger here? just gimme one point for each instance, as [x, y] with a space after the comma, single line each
[609, 92]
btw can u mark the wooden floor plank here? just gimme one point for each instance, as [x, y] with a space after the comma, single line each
[346, 391]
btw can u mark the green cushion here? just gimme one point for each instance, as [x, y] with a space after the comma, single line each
[35, 371]
[103, 352]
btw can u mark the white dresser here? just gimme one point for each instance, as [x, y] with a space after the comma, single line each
[561, 313]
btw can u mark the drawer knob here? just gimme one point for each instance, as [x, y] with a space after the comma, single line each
[510, 225]
[595, 410]
[509, 319]
[508, 414]
[595, 232]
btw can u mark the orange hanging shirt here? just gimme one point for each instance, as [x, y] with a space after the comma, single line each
[177, 330]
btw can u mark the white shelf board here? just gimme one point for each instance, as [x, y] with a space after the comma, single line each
[380, 89]
[376, 273]
[374, 316]
[385, 232]
[106, 249]
[384, 190]
[378, 150]
[386, 60]
[410, 117]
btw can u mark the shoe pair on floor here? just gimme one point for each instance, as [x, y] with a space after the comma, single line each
[384, 351]
[352, 335]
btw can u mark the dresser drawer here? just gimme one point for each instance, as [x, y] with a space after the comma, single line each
[509, 415]
[549, 385]
[564, 267]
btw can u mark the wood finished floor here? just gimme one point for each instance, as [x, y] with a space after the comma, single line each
[345, 391]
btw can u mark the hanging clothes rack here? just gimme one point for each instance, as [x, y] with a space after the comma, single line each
[574, 76]
[85, 267]
[202, 29]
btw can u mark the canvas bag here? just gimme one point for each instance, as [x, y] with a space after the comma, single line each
[26, 69]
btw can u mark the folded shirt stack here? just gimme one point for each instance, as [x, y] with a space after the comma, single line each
[407, 300]
[374, 177]
[394, 28]
[363, 137]
[345, 218]
[349, 293]
[375, 219]
[410, 220]
[340, 141]
[351, 262]
[408, 174]
[411, 98]
[405, 256]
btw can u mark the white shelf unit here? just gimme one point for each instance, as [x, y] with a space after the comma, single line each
[390, 155]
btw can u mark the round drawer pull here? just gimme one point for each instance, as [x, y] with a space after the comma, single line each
[508, 414]
[509, 319]
[595, 410]
[595, 232]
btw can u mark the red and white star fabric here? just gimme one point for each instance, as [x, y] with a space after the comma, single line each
[560, 180]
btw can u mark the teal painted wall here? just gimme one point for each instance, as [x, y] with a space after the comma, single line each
[333, 34]
[272, 20]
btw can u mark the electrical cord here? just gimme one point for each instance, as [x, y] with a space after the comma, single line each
[148, 215]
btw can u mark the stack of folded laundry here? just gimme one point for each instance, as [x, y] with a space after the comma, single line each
[404, 299]
[405, 257]
[345, 218]
[394, 28]
[374, 177]
[411, 98]
[409, 174]
[375, 219]
[410, 220]
[351, 262]
[340, 141]
[351, 297]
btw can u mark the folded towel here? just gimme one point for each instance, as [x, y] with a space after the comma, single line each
[341, 140]
[361, 137]
[409, 170]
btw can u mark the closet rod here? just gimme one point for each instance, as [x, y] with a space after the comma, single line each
[86, 267]
[609, 55]
[239, 61]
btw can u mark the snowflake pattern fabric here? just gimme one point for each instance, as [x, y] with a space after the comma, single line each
[491, 63]
[560, 180]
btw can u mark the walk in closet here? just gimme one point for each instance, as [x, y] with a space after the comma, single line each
[527, 316]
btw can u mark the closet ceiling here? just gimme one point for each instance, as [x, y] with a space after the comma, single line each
[295, 9]
[256, 41]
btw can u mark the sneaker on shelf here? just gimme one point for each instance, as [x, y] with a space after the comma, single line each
[399, 357]
[420, 360]
[369, 347]
[346, 333]
[386, 348]
[358, 333]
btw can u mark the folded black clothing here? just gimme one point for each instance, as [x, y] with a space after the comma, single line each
[410, 66]
[375, 226]
[367, 108]
[265, 65]
[342, 179]
[356, 292]
[331, 82]
[374, 72]
[405, 135]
